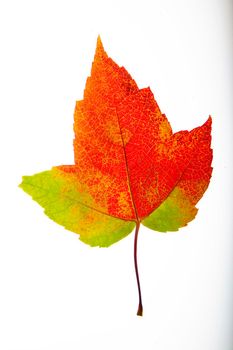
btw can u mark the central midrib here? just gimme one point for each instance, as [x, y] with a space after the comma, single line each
[127, 171]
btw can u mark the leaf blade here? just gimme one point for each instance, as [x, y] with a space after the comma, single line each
[66, 204]
[179, 209]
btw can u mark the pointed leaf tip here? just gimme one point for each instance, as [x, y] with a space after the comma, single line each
[99, 46]
[99, 39]
[208, 122]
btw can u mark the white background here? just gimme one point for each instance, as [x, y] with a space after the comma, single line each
[56, 293]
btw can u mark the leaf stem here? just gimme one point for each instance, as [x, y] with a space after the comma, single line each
[140, 307]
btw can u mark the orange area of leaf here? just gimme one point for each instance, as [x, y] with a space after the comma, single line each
[126, 154]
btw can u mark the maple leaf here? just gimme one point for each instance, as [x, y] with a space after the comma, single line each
[130, 168]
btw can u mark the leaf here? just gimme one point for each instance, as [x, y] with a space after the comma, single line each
[130, 168]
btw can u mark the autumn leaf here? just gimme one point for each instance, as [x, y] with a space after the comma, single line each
[130, 168]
